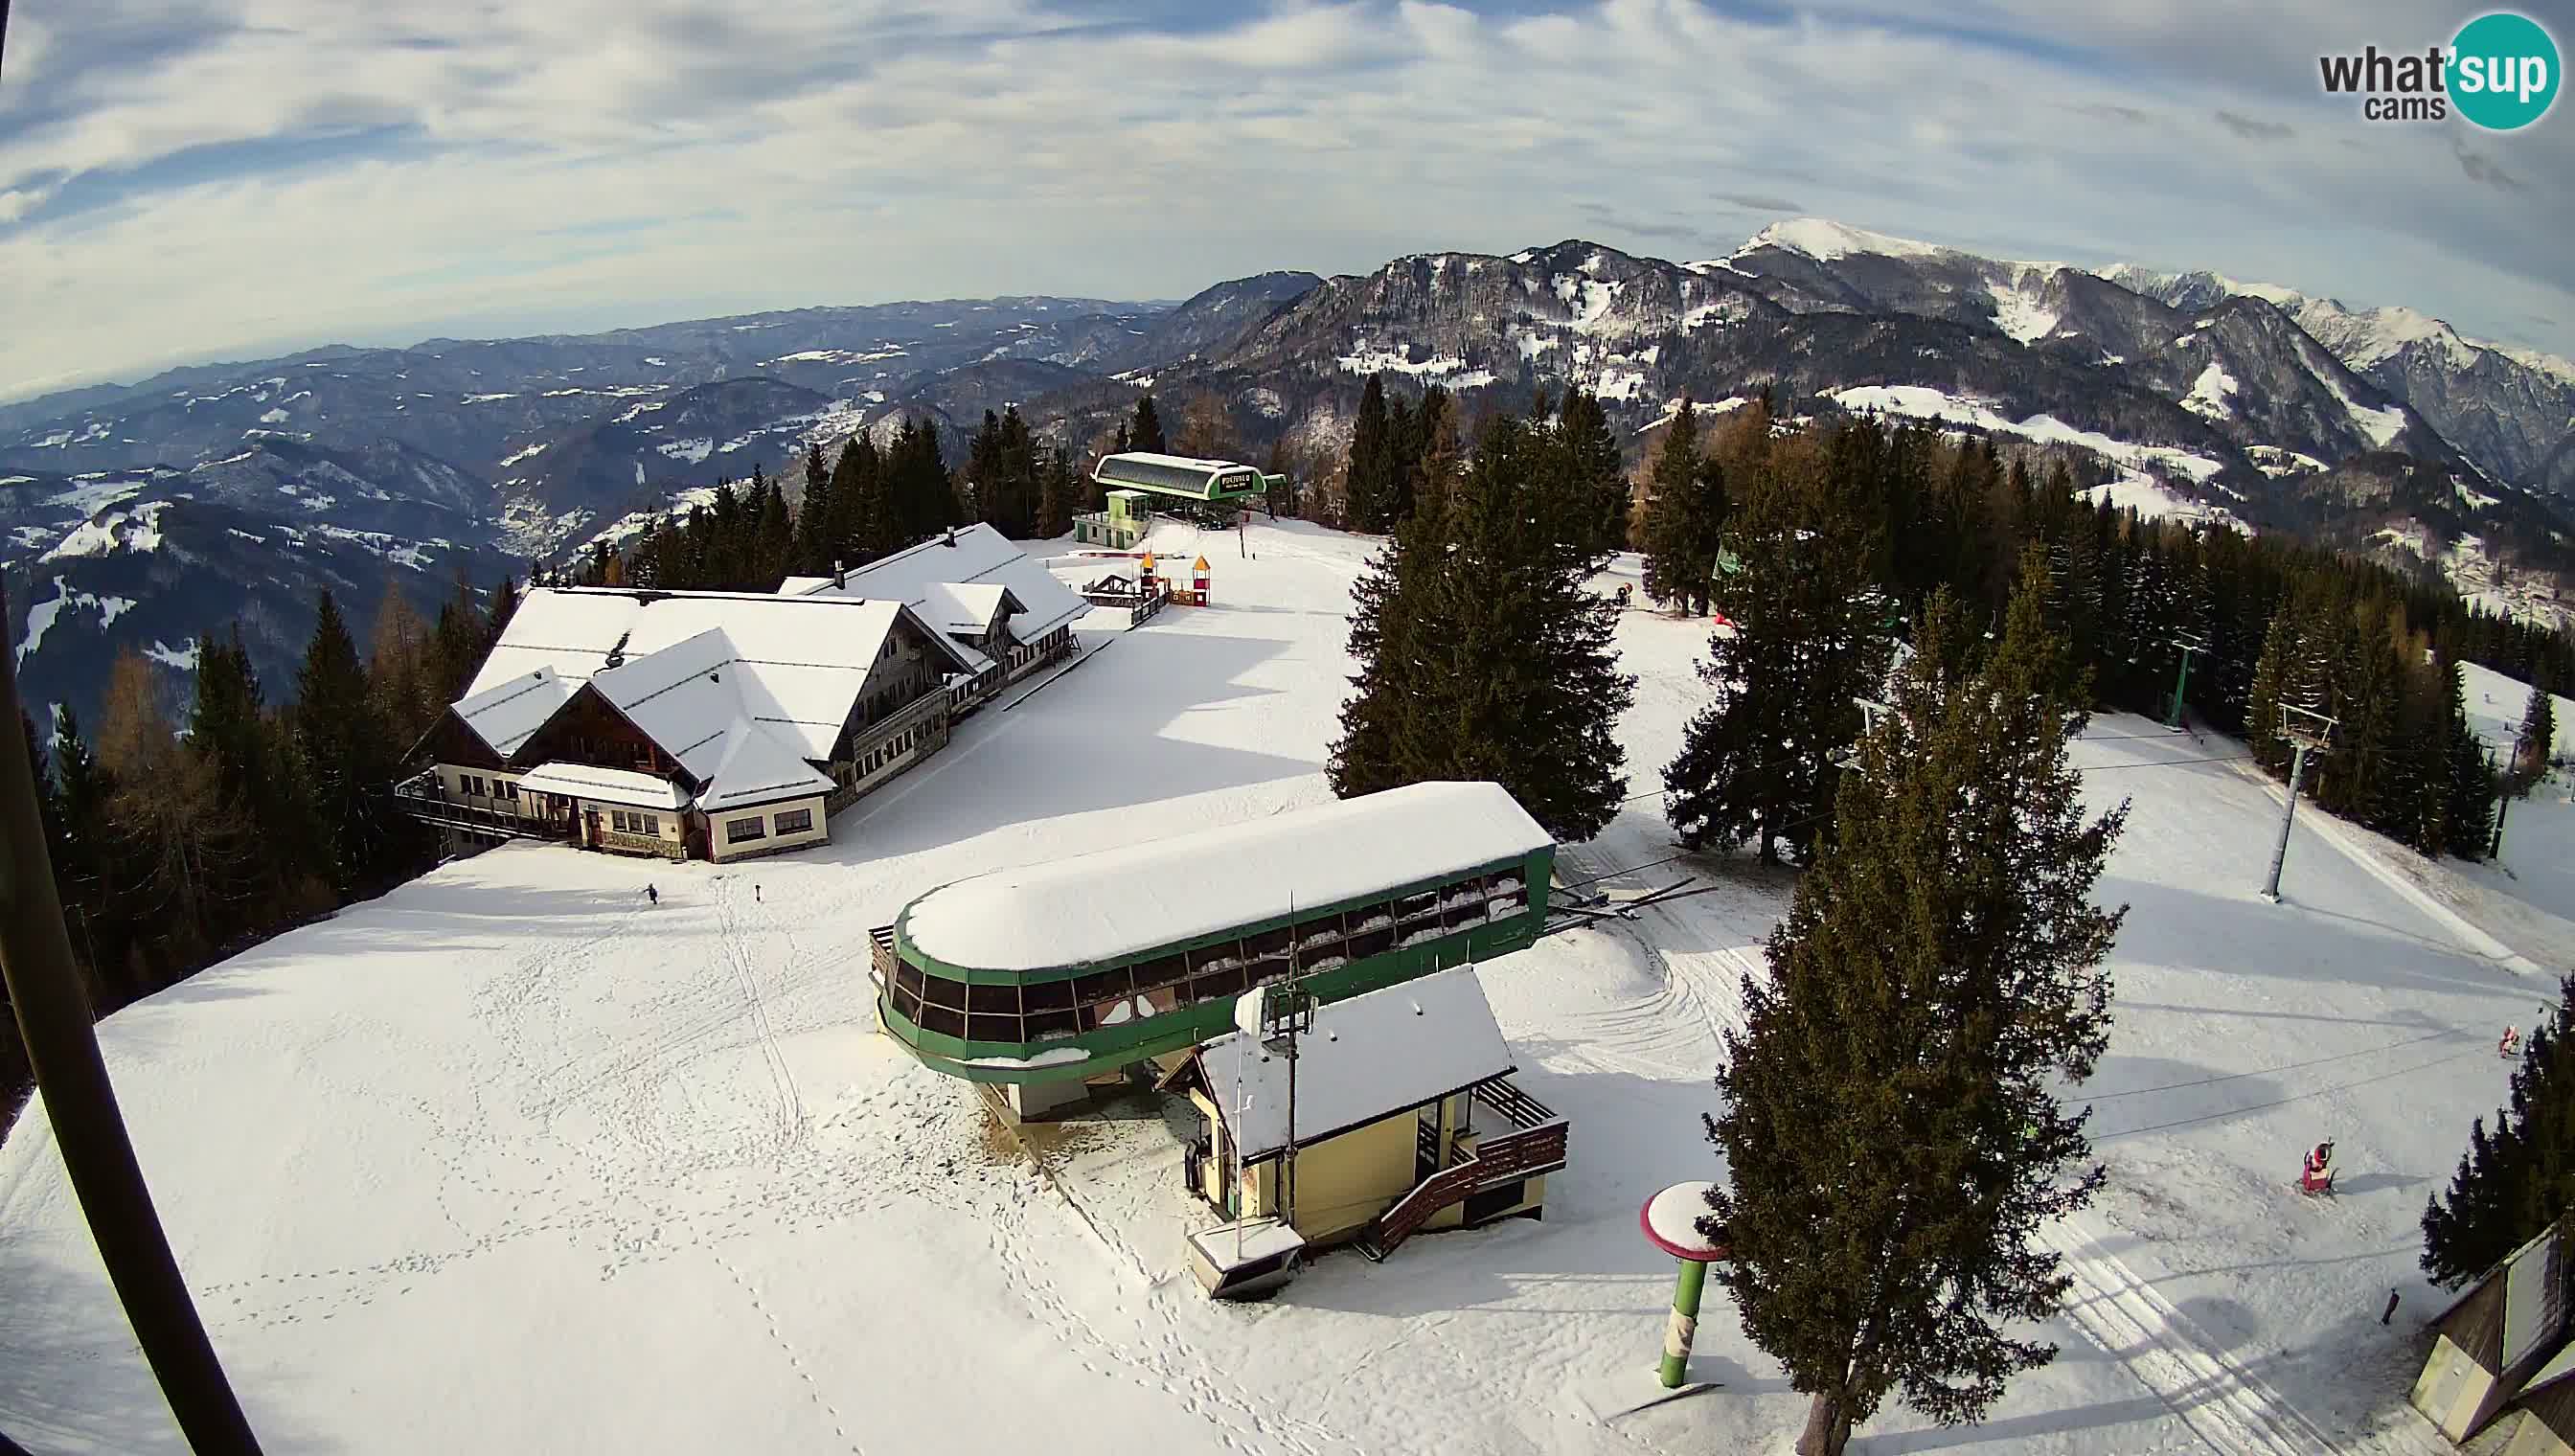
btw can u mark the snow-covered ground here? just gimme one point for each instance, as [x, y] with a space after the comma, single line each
[508, 1159]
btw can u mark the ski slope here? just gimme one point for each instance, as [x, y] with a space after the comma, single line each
[508, 1161]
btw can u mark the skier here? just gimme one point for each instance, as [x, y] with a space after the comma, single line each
[2510, 1046]
[2317, 1176]
[755, 894]
[652, 894]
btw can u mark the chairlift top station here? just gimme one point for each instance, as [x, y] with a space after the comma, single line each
[1218, 483]
[1056, 972]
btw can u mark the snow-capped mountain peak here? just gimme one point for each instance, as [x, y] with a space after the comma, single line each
[1826, 240]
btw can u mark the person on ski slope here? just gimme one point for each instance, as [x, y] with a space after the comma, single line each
[2320, 1168]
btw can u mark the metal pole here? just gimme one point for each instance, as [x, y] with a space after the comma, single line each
[54, 1021]
[1683, 1326]
[2503, 801]
[1287, 1163]
[2173, 719]
[2280, 851]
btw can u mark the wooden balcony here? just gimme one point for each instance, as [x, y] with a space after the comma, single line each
[425, 799]
[1535, 1146]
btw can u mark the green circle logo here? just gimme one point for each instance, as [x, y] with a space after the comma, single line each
[2502, 72]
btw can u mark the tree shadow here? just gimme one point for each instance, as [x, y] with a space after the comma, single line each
[2184, 928]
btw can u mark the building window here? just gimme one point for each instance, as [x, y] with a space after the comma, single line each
[737, 830]
[635, 823]
[796, 822]
[507, 789]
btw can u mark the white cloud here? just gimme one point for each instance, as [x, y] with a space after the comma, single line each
[611, 162]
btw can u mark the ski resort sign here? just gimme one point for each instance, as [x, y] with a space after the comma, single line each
[2499, 73]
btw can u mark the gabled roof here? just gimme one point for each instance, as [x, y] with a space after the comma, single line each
[680, 697]
[970, 607]
[797, 663]
[1367, 1058]
[971, 555]
[758, 769]
[608, 786]
[506, 714]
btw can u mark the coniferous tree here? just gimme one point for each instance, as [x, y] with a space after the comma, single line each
[2536, 743]
[2469, 784]
[1807, 640]
[92, 874]
[1483, 653]
[1891, 1129]
[1056, 496]
[504, 604]
[1592, 460]
[1145, 432]
[818, 520]
[2514, 1182]
[1367, 488]
[1681, 542]
[347, 748]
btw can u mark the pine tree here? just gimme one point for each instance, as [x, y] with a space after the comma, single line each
[1145, 432]
[90, 873]
[2469, 784]
[1483, 653]
[504, 604]
[1593, 465]
[1381, 738]
[1680, 544]
[1057, 494]
[1367, 489]
[1807, 639]
[2514, 1182]
[983, 464]
[347, 747]
[1891, 1128]
[2535, 745]
[818, 520]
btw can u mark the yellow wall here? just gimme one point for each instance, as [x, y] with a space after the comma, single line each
[2470, 1392]
[1343, 1183]
[771, 840]
[2533, 1438]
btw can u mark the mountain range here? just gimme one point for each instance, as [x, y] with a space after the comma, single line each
[144, 513]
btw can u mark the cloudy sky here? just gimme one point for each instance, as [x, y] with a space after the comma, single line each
[191, 179]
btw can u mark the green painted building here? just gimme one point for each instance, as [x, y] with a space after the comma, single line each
[1121, 527]
[1202, 486]
[1043, 976]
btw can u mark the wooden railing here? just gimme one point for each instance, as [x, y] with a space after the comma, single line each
[880, 954]
[1538, 1146]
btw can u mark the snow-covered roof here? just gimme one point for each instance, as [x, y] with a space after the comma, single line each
[972, 556]
[2559, 1366]
[2534, 1297]
[798, 662]
[608, 786]
[1175, 473]
[758, 769]
[1367, 1058]
[1121, 902]
[503, 715]
[1249, 1241]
